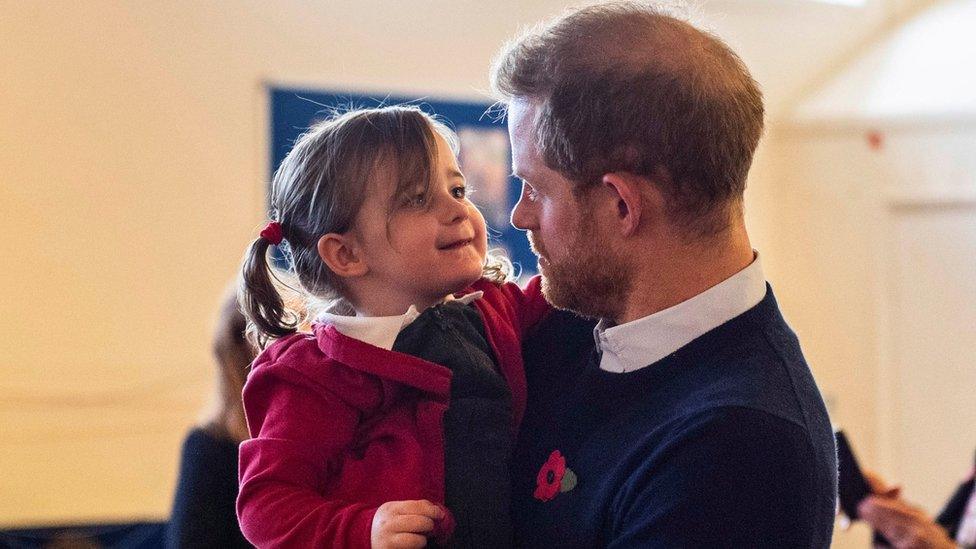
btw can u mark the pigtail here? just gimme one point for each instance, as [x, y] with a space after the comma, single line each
[260, 300]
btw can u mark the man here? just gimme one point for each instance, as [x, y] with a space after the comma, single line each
[687, 416]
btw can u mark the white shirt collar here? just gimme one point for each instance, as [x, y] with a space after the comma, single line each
[380, 331]
[642, 342]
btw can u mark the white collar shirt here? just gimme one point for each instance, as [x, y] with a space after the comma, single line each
[380, 331]
[637, 344]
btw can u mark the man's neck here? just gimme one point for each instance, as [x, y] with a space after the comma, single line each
[681, 272]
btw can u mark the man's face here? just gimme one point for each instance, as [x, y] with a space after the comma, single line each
[580, 270]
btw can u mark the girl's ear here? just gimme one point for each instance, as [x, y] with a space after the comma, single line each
[340, 254]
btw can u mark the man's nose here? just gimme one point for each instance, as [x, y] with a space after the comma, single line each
[523, 216]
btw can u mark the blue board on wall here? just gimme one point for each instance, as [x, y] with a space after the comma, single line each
[485, 154]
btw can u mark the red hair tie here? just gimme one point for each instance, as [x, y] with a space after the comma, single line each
[272, 233]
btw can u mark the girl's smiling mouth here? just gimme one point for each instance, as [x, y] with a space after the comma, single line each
[456, 244]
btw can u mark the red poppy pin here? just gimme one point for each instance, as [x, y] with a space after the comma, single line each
[553, 478]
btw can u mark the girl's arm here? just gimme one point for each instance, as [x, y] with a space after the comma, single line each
[300, 430]
[525, 307]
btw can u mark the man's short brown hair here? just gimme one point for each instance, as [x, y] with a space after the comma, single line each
[625, 86]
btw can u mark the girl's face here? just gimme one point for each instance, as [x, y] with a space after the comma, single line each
[433, 245]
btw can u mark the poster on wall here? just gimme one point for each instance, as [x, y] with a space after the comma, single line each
[485, 156]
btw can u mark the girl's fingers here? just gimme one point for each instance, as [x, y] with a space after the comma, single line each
[408, 541]
[416, 524]
[417, 507]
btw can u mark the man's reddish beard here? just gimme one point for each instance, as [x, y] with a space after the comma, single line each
[535, 246]
[590, 279]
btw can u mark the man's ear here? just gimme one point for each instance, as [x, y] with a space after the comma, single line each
[634, 196]
[340, 253]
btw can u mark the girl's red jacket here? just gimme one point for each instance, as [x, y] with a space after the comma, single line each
[340, 427]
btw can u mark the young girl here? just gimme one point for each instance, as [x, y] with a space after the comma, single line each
[392, 423]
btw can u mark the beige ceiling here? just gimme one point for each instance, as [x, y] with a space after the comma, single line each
[794, 46]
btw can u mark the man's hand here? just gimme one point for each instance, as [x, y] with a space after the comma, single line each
[902, 524]
[404, 524]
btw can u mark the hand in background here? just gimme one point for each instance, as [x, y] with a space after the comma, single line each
[879, 487]
[904, 525]
[404, 524]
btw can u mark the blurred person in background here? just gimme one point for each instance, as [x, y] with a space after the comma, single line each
[203, 509]
[906, 526]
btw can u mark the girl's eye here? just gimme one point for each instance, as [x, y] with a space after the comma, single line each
[460, 192]
[418, 200]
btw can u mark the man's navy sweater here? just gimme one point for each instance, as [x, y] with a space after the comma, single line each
[724, 443]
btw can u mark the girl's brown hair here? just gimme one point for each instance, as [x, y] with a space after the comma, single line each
[320, 187]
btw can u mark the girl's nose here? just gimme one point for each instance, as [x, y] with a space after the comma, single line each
[454, 210]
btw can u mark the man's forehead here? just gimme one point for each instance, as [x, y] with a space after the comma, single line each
[521, 131]
[521, 114]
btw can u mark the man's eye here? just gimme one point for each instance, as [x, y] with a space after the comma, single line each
[530, 193]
